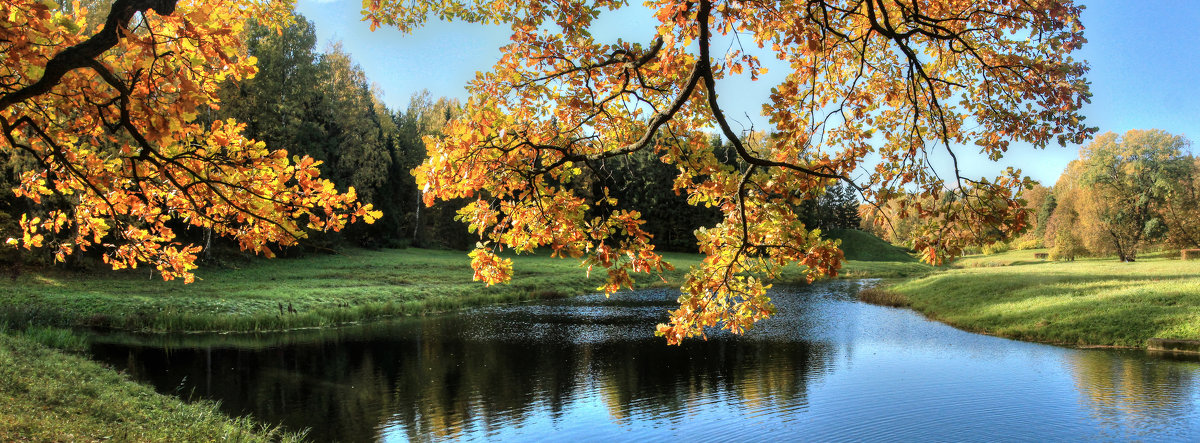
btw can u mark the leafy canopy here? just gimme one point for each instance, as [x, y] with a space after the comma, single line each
[1122, 188]
[111, 113]
[874, 88]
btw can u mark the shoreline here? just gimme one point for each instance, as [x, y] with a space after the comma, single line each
[51, 395]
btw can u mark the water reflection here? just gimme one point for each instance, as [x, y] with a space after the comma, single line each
[1136, 392]
[827, 368]
[474, 375]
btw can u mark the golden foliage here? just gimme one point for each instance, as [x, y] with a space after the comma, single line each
[874, 89]
[110, 111]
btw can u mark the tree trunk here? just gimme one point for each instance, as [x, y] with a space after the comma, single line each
[416, 239]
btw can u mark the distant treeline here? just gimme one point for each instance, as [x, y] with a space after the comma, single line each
[321, 104]
[1124, 194]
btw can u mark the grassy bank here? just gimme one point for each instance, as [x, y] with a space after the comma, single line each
[286, 293]
[1089, 302]
[315, 291]
[47, 395]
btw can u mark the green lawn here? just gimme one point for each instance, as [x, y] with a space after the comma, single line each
[47, 395]
[1091, 302]
[862, 246]
[322, 290]
[1008, 258]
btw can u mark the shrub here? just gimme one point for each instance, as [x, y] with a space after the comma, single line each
[1027, 243]
[1066, 245]
[995, 248]
[1189, 254]
[1041, 255]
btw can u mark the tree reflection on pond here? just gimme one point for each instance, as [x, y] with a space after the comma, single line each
[826, 367]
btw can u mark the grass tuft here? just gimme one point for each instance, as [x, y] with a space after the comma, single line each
[57, 338]
[883, 297]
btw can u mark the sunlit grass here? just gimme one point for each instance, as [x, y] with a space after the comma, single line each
[1086, 302]
[355, 285]
[321, 290]
[862, 246]
[1007, 258]
[285, 293]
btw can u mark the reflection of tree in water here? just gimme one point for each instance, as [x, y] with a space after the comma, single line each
[426, 380]
[338, 389]
[455, 386]
[1134, 392]
[642, 379]
[449, 385]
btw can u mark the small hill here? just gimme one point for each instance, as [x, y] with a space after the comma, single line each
[863, 246]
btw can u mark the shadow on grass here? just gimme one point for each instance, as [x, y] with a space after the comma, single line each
[1063, 307]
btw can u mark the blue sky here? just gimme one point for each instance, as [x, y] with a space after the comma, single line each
[1144, 57]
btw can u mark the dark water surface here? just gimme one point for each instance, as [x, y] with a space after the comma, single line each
[586, 369]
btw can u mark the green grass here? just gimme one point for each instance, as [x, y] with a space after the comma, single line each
[882, 296]
[884, 269]
[47, 395]
[863, 247]
[1088, 302]
[314, 291]
[868, 256]
[1007, 258]
[320, 291]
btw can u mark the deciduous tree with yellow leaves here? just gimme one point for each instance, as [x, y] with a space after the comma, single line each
[874, 88]
[109, 113]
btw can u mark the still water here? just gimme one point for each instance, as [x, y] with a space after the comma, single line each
[587, 369]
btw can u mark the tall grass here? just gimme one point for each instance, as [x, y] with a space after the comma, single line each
[58, 338]
[883, 297]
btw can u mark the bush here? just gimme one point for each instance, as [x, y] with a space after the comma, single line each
[398, 243]
[1022, 244]
[995, 248]
[1189, 254]
[1066, 245]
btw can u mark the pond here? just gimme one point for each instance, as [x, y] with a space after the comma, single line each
[826, 368]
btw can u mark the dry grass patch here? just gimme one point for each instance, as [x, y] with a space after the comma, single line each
[884, 297]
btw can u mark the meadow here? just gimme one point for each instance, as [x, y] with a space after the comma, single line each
[1086, 302]
[350, 286]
